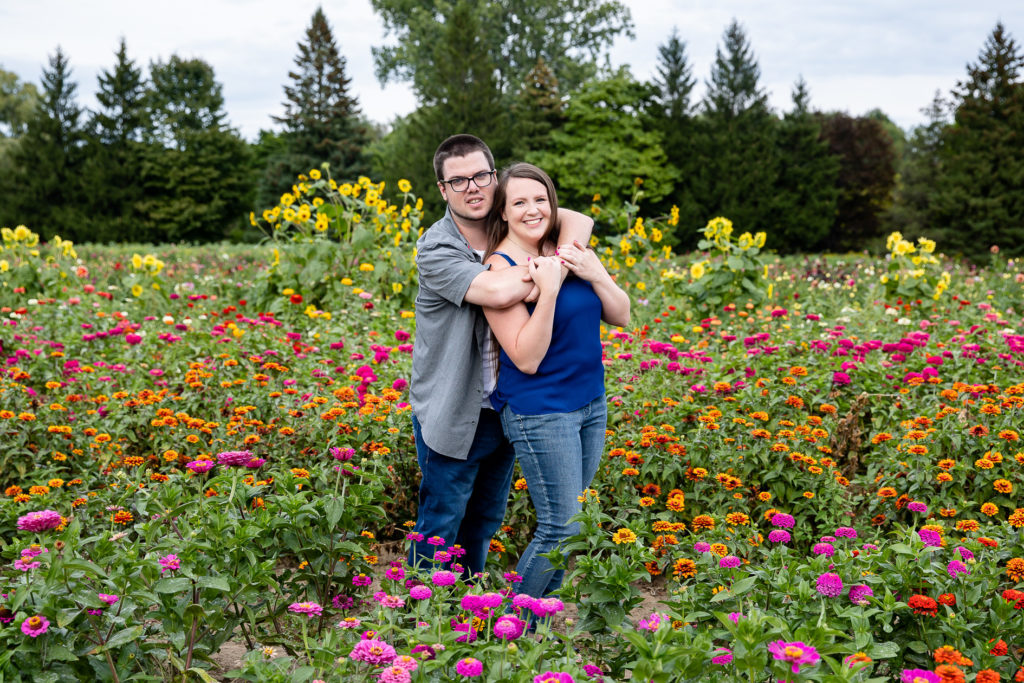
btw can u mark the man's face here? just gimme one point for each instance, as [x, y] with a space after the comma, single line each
[474, 203]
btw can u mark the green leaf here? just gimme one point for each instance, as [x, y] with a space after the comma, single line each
[216, 582]
[172, 585]
[120, 638]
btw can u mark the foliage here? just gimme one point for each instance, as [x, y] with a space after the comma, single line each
[569, 37]
[322, 229]
[321, 117]
[18, 101]
[605, 144]
[978, 199]
[914, 272]
[28, 267]
[866, 179]
[736, 272]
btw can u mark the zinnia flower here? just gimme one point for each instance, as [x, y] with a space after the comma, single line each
[920, 676]
[234, 458]
[310, 609]
[830, 585]
[796, 653]
[783, 520]
[469, 667]
[41, 520]
[372, 651]
[169, 563]
[779, 536]
[35, 626]
[724, 658]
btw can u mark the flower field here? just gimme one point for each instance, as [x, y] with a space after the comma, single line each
[202, 445]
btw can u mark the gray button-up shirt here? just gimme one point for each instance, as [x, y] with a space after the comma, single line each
[447, 359]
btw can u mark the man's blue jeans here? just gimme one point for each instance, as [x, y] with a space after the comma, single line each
[559, 455]
[463, 501]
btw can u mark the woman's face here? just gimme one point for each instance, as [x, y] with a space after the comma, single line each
[527, 211]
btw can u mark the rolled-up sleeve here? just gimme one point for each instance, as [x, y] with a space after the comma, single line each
[446, 270]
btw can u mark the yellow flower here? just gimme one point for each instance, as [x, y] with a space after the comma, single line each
[346, 281]
[366, 267]
[893, 238]
[289, 214]
[745, 241]
[287, 199]
[4, 266]
[396, 287]
[697, 270]
[8, 234]
[404, 185]
[136, 262]
[926, 245]
[304, 213]
[759, 238]
[136, 290]
[314, 174]
[630, 261]
[624, 536]
[656, 235]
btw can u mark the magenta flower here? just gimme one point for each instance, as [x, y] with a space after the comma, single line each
[796, 653]
[395, 573]
[930, 538]
[41, 520]
[956, 567]
[169, 563]
[523, 601]
[826, 549]
[406, 662]
[593, 671]
[394, 674]
[443, 577]
[840, 379]
[965, 554]
[372, 651]
[725, 656]
[860, 593]
[653, 622]
[200, 466]
[919, 676]
[423, 652]
[361, 580]
[420, 592]
[917, 506]
[343, 454]
[846, 532]
[23, 565]
[235, 458]
[830, 585]
[35, 626]
[730, 562]
[553, 677]
[735, 617]
[350, 623]
[702, 547]
[109, 599]
[469, 667]
[783, 520]
[544, 607]
[310, 609]
[779, 536]
[509, 627]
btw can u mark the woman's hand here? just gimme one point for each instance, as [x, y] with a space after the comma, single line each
[583, 262]
[546, 272]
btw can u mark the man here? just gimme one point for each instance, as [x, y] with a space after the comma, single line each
[464, 458]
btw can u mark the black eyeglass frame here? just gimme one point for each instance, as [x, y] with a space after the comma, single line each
[477, 178]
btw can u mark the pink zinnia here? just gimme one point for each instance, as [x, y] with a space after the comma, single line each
[169, 563]
[109, 599]
[919, 676]
[234, 458]
[406, 662]
[41, 520]
[779, 536]
[200, 466]
[350, 623]
[796, 653]
[830, 585]
[509, 627]
[372, 651]
[469, 667]
[860, 593]
[310, 609]
[554, 677]
[544, 607]
[783, 520]
[420, 592]
[442, 578]
[35, 626]
[917, 506]
[394, 674]
[730, 562]
[724, 658]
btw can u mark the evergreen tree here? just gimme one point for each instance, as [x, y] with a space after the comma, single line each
[195, 177]
[867, 175]
[115, 150]
[537, 111]
[44, 191]
[919, 174]
[321, 118]
[805, 189]
[736, 140]
[981, 197]
[606, 143]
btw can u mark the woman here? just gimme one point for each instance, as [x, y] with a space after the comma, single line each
[550, 390]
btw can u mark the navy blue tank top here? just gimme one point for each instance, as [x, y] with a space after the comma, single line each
[571, 374]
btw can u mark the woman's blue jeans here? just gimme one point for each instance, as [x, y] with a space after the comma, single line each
[559, 455]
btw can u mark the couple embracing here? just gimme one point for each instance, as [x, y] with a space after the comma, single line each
[506, 360]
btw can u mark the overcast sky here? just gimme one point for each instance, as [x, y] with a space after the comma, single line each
[856, 55]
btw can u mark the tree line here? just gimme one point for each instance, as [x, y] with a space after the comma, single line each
[158, 160]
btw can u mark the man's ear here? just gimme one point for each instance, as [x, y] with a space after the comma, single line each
[440, 188]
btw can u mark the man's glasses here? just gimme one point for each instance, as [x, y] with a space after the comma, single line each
[481, 179]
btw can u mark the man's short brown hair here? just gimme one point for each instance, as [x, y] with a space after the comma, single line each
[459, 146]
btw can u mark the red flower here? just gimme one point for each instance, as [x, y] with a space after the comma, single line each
[947, 599]
[296, 298]
[922, 604]
[999, 649]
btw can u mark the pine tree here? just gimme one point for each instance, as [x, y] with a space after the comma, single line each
[867, 175]
[671, 113]
[981, 198]
[915, 198]
[736, 140]
[537, 111]
[44, 191]
[805, 193]
[321, 118]
[115, 150]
